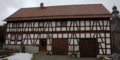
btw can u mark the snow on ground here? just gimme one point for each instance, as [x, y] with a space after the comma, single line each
[20, 56]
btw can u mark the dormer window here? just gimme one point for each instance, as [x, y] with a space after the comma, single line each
[14, 25]
[41, 24]
[21, 24]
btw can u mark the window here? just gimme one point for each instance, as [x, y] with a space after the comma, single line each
[13, 37]
[21, 24]
[14, 25]
[63, 23]
[19, 37]
[41, 24]
[58, 23]
[43, 42]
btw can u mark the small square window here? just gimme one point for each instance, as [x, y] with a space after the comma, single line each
[64, 23]
[19, 37]
[41, 24]
[21, 24]
[14, 25]
[13, 37]
[58, 23]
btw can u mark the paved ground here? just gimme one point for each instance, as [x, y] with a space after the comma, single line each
[43, 56]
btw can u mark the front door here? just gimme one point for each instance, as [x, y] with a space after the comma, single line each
[43, 45]
[88, 48]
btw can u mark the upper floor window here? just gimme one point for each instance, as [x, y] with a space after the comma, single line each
[41, 24]
[19, 37]
[12, 37]
[58, 24]
[21, 24]
[63, 23]
[14, 25]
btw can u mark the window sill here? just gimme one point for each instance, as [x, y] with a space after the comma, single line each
[12, 40]
[19, 40]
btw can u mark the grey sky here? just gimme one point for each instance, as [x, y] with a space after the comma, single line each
[8, 7]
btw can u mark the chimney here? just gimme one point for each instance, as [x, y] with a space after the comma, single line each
[41, 5]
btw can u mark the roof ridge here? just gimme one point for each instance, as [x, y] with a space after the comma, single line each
[63, 5]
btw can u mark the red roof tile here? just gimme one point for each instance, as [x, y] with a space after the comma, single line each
[90, 9]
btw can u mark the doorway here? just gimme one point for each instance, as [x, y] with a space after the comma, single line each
[88, 47]
[60, 46]
[43, 45]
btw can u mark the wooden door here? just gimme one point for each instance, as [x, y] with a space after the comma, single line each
[60, 46]
[43, 45]
[87, 48]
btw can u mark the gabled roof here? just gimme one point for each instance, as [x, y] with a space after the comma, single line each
[68, 11]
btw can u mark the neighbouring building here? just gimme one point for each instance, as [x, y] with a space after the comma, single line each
[115, 29]
[61, 30]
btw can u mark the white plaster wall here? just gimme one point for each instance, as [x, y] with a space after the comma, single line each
[87, 35]
[87, 23]
[70, 48]
[82, 35]
[68, 23]
[108, 46]
[49, 47]
[54, 35]
[103, 45]
[64, 35]
[57, 29]
[108, 51]
[53, 23]
[108, 40]
[107, 34]
[76, 29]
[105, 22]
[59, 35]
[82, 23]
[36, 24]
[63, 28]
[10, 24]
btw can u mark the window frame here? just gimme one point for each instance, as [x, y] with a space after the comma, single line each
[18, 37]
[42, 24]
[60, 23]
[15, 26]
[11, 37]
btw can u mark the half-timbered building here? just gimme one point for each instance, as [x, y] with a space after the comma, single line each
[61, 30]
